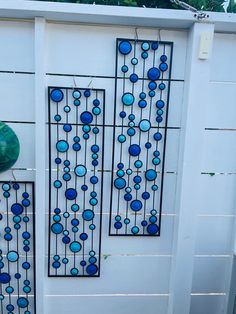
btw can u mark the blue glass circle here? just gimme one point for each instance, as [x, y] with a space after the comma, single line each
[160, 104]
[26, 265]
[152, 229]
[136, 205]
[144, 55]
[120, 183]
[94, 180]
[142, 95]
[131, 132]
[127, 99]
[76, 147]
[75, 246]
[157, 136]
[152, 85]
[153, 219]
[80, 170]
[150, 175]
[57, 117]
[144, 125]
[153, 74]
[137, 179]
[125, 47]
[142, 103]
[62, 146]
[57, 228]
[67, 127]
[76, 102]
[95, 130]
[56, 95]
[151, 93]
[91, 269]
[71, 194]
[86, 117]
[134, 150]
[88, 215]
[163, 67]
[133, 78]
[17, 209]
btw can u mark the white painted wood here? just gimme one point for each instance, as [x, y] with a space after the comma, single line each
[217, 195]
[218, 156]
[221, 109]
[219, 239]
[40, 152]
[208, 304]
[107, 304]
[20, 104]
[210, 274]
[15, 54]
[197, 76]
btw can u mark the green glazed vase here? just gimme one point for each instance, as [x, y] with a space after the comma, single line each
[9, 147]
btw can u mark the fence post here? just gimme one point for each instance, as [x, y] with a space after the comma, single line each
[189, 171]
[40, 153]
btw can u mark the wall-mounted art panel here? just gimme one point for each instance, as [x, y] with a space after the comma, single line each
[17, 248]
[142, 85]
[76, 136]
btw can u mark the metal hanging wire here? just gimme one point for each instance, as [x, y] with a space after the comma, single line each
[198, 14]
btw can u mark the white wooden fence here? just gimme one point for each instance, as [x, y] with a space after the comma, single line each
[189, 268]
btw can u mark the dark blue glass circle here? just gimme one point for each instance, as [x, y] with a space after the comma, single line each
[17, 209]
[76, 147]
[25, 202]
[125, 47]
[26, 235]
[120, 165]
[86, 117]
[26, 265]
[25, 195]
[134, 150]
[136, 205]
[118, 225]
[5, 278]
[144, 223]
[163, 67]
[58, 161]
[66, 240]
[91, 269]
[71, 194]
[137, 179]
[10, 307]
[8, 237]
[152, 229]
[133, 78]
[153, 74]
[83, 236]
[128, 197]
[83, 263]
[56, 95]
[87, 93]
[16, 186]
[146, 195]
[94, 163]
[163, 58]
[148, 145]
[122, 114]
[159, 119]
[84, 187]
[155, 45]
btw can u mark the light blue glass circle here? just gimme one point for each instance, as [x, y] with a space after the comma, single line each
[76, 94]
[121, 138]
[124, 69]
[127, 99]
[80, 170]
[154, 187]
[62, 146]
[156, 161]
[12, 256]
[138, 163]
[135, 230]
[75, 246]
[96, 111]
[75, 207]
[134, 61]
[6, 187]
[126, 221]
[144, 125]
[145, 46]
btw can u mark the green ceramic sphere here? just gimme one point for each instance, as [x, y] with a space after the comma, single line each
[9, 147]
